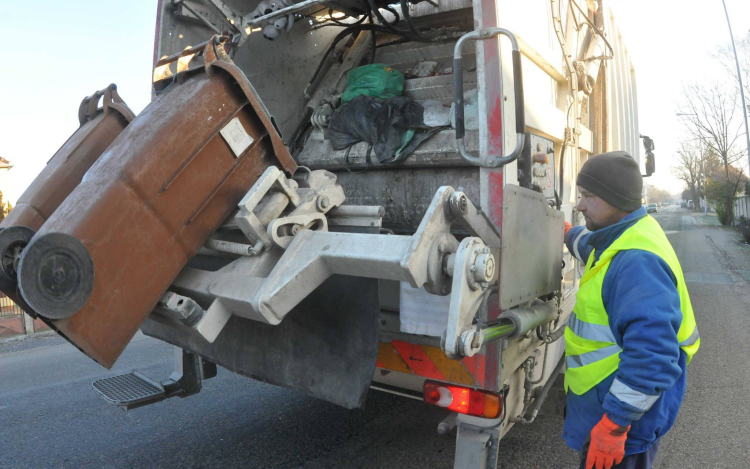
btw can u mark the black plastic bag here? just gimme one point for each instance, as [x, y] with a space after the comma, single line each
[382, 123]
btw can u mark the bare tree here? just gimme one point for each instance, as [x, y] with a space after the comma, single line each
[688, 167]
[725, 56]
[714, 118]
[657, 195]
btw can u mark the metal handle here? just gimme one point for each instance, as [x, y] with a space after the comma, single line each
[491, 160]
[89, 107]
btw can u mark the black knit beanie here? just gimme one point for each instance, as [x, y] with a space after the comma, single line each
[615, 177]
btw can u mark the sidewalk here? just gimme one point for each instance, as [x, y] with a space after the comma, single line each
[13, 326]
[717, 272]
[709, 220]
[705, 220]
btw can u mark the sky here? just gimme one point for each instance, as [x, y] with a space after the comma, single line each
[55, 54]
[66, 50]
[671, 43]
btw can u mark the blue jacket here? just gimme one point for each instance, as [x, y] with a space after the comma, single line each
[641, 299]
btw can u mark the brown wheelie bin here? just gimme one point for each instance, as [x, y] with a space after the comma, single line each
[99, 265]
[99, 126]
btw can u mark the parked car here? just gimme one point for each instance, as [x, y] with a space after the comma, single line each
[652, 208]
[683, 204]
[690, 205]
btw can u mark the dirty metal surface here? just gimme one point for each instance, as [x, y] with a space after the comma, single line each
[100, 264]
[406, 193]
[326, 346]
[438, 150]
[532, 243]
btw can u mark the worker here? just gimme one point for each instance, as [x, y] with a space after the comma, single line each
[632, 331]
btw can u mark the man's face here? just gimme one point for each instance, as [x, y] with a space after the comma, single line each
[597, 213]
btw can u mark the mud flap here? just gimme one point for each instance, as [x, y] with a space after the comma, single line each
[326, 347]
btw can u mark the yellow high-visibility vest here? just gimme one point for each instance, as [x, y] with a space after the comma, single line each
[590, 348]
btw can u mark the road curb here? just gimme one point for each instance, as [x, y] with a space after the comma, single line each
[22, 337]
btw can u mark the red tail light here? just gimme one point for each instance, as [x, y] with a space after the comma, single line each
[463, 400]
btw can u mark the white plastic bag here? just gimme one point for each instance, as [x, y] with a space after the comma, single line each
[471, 111]
[435, 114]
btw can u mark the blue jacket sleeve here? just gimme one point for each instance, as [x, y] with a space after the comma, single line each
[641, 298]
[583, 247]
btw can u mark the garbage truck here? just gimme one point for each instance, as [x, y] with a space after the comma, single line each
[336, 197]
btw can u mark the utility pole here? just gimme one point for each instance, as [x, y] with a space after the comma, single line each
[739, 78]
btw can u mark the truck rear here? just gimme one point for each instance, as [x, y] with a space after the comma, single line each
[261, 245]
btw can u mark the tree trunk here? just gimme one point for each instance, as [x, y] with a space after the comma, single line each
[729, 206]
[696, 198]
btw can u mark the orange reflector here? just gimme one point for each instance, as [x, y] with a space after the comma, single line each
[463, 400]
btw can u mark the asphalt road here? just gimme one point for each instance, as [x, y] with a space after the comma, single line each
[51, 417]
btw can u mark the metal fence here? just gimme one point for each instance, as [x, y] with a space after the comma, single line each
[742, 207]
[8, 308]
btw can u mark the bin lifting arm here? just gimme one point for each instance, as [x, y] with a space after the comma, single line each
[431, 258]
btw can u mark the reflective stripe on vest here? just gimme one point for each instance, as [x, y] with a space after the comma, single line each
[597, 332]
[628, 395]
[576, 361]
[591, 350]
[694, 337]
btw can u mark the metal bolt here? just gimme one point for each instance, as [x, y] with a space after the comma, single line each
[486, 250]
[463, 203]
[483, 267]
[323, 202]
[295, 229]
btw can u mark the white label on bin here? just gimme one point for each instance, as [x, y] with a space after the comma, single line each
[236, 136]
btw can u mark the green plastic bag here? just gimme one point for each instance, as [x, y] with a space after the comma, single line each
[377, 80]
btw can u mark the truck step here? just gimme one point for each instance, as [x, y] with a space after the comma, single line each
[130, 390]
[438, 150]
[438, 88]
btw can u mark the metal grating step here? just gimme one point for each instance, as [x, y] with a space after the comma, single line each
[129, 390]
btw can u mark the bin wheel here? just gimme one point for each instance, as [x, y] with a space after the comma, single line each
[13, 240]
[56, 275]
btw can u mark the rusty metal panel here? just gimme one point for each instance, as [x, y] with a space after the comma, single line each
[99, 126]
[101, 262]
[532, 239]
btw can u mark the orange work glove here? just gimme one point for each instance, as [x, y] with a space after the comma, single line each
[607, 446]
[568, 226]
